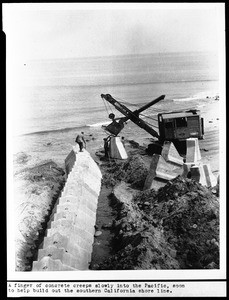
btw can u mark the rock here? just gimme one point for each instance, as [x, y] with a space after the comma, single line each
[98, 233]
[208, 242]
[106, 226]
[171, 202]
[212, 265]
[213, 241]
[173, 253]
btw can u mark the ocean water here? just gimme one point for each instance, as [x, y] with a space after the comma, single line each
[55, 99]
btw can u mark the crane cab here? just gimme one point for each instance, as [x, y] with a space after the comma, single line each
[181, 125]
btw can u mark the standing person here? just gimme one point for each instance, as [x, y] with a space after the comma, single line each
[80, 141]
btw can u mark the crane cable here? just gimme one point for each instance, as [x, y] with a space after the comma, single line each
[150, 123]
[105, 106]
[125, 102]
[109, 106]
[148, 117]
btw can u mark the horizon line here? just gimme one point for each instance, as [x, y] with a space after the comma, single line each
[121, 55]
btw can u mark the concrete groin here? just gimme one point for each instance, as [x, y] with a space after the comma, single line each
[70, 230]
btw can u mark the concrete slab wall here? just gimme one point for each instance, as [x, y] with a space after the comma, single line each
[67, 245]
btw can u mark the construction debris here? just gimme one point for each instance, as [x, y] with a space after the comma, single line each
[167, 229]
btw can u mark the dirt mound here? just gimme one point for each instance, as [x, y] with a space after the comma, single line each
[174, 228]
[137, 244]
[189, 215]
[133, 171]
[36, 190]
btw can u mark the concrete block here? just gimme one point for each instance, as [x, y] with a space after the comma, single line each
[51, 251]
[67, 207]
[197, 173]
[211, 180]
[95, 191]
[49, 264]
[157, 183]
[71, 190]
[87, 224]
[76, 184]
[81, 217]
[186, 168]
[117, 149]
[74, 237]
[160, 171]
[79, 223]
[89, 196]
[60, 241]
[70, 199]
[89, 205]
[193, 151]
[80, 210]
[170, 154]
[70, 161]
[94, 168]
[66, 258]
[163, 175]
[165, 169]
[92, 186]
[65, 227]
[68, 215]
[85, 210]
[87, 170]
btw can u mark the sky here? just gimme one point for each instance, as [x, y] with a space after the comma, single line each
[64, 31]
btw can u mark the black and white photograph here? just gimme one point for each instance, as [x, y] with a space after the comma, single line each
[116, 156]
